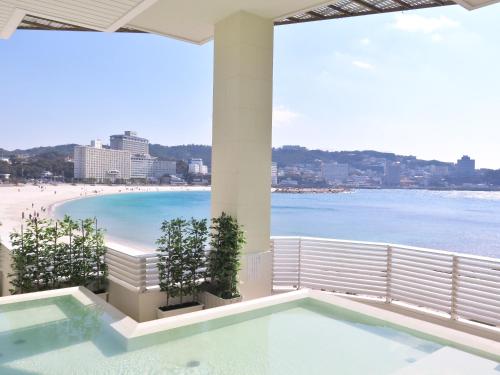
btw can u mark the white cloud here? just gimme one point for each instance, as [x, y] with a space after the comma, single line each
[363, 65]
[365, 41]
[420, 24]
[282, 116]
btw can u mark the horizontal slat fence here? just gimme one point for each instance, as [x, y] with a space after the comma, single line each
[421, 278]
[340, 266]
[137, 272]
[478, 292]
[462, 286]
[286, 271]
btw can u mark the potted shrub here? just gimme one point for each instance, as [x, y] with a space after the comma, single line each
[85, 253]
[227, 240]
[96, 267]
[50, 254]
[181, 261]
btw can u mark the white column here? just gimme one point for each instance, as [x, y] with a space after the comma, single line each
[241, 139]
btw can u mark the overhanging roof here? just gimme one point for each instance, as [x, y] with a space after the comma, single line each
[190, 20]
[353, 8]
[39, 23]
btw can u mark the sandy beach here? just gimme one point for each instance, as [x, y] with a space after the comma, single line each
[16, 200]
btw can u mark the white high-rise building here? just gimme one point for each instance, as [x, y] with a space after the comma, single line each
[96, 143]
[141, 166]
[164, 168]
[146, 166]
[129, 141]
[196, 166]
[274, 174]
[101, 164]
[335, 172]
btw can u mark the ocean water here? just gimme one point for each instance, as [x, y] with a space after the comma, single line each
[448, 220]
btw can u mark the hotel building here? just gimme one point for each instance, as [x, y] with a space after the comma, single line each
[100, 164]
[146, 166]
[127, 159]
[164, 167]
[129, 141]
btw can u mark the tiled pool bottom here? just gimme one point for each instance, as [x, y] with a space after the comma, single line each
[61, 336]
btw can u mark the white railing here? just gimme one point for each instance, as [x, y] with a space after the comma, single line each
[459, 285]
[462, 286]
[134, 271]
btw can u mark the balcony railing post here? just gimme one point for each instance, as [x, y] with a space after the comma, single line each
[143, 271]
[388, 293]
[300, 262]
[454, 288]
[272, 265]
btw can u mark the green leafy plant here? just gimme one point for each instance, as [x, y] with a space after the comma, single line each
[181, 257]
[196, 242]
[226, 243]
[49, 254]
[171, 258]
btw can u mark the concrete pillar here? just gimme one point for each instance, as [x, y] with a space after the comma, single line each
[241, 138]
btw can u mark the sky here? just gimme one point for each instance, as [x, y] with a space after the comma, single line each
[423, 83]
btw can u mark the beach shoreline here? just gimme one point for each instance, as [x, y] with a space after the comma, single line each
[44, 199]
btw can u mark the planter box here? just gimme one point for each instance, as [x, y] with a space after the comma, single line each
[211, 300]
[104, 296]
[183, 310]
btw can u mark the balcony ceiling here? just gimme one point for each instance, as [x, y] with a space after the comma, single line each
[190, 20]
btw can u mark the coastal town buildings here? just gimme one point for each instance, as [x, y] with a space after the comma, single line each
[392, 176]
[335, 173]
[466, 166]
[374, 170]
[196, 166]
[439, 170]
[127, 158]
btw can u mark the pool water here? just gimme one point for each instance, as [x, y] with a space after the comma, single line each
[61, 336]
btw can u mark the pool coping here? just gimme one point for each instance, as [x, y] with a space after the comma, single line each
[129, 328]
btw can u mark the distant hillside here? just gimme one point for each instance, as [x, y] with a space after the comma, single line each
[36, 164]
[64, 150]
[183, 152]
[286, 156]
[283, 156]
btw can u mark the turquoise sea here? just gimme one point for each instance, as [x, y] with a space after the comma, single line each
[451, 220]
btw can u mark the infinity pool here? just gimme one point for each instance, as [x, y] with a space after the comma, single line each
[60, 335]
